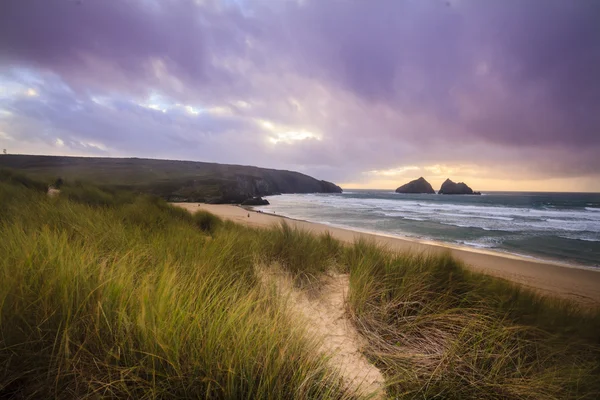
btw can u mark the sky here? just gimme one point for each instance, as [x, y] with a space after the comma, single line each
[503, 95]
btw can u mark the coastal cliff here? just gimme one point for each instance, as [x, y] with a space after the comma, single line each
[269, 182]
[416, 186]
[187, 181]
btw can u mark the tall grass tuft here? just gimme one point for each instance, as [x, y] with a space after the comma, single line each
[135, 301]
[304, 255]
[439, 331]
[207, 222]
[109, 294]
[17, 179]
[95, 196]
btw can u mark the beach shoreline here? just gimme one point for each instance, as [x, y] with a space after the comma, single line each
[549, 278]
[431, 242]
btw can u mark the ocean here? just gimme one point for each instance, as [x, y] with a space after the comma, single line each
[563, 227]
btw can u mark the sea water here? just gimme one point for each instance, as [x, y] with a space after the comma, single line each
[562, 227]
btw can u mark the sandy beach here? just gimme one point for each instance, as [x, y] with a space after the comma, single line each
[579, 284]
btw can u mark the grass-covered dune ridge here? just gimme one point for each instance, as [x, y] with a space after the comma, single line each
[108, 294]
[138, 300]
[441, 331]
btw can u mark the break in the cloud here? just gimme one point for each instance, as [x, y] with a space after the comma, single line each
[502, 94]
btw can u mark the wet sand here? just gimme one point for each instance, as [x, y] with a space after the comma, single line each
[579, 284]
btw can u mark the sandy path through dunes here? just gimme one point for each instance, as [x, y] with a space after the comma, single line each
[323, 313]
[582, 285]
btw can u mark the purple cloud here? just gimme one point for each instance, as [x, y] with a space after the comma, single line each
[334, 88]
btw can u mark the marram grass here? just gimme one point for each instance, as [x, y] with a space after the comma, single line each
[437, 330]
[112, 302]
[113, 295]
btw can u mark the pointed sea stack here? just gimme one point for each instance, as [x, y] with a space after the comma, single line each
[417, 186]
[449, 187]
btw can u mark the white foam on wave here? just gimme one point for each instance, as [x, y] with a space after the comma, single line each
[478, 245]
[502, 228]
[468, 210]
[577, 222]
[391, 214]
[385, 217]
[402, 204]
[479, 216]
[583, 238]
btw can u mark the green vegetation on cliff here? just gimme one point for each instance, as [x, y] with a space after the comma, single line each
[171, 180]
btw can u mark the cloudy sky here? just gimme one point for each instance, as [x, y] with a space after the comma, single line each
[504, 95]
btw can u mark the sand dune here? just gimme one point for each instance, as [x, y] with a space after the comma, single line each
[324, 315]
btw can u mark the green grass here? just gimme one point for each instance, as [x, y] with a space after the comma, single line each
[18, 179]
[169, 179]
[109, 294]
[305, 256]
[437, 330]
[137, 301]
[206, 221]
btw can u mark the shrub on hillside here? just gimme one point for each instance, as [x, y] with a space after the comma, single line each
[206, 221]
[17, 178]
[95, 196]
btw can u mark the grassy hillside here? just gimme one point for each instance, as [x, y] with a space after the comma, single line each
[440, 331]
[172, 180]
[132, 298]
[109, 294]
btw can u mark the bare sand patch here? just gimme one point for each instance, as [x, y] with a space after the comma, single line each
[323, 313]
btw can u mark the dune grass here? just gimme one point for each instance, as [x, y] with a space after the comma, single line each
[303, 255]
[437, 330]
[110, 294]
[17, 179]
[137, 301]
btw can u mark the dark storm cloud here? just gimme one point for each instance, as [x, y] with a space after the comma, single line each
[511, 86]
[529, 67]
[121, 45]
[58, 34]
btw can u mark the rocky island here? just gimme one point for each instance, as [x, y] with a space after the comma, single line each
[416, 186]
[449, 187]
